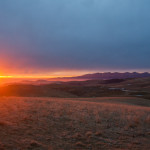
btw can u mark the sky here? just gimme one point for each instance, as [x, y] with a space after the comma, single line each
[70, 37]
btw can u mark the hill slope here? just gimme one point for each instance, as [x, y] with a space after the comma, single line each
[54, 123]
[139, 87]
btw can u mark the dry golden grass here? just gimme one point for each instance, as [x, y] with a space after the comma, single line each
[54, 123]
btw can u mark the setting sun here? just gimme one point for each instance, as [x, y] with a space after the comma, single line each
[74, 74]
[6, 76]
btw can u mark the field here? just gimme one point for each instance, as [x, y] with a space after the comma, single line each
[28, 123]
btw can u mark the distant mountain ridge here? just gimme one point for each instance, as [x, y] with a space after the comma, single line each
[110, 75]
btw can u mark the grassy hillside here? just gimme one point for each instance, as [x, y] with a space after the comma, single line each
[72, 123]
[139, 87]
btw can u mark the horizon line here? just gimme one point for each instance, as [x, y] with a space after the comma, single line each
[57, 76]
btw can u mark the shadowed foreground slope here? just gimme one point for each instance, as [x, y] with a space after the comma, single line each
[55, 123]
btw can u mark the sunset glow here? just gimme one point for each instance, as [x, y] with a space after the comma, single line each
[39, 45]
[32, 76]
[74, 74]
[37, 73]
[6, 76]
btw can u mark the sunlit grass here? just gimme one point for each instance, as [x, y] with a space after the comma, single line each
[56, 123]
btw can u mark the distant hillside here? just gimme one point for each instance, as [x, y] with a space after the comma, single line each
[136, 87]
[109, 75]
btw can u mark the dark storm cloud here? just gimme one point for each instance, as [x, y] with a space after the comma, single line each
[76, 34]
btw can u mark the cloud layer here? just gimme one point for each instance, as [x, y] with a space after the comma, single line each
[55, 35]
